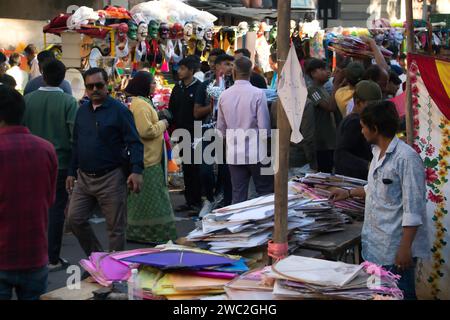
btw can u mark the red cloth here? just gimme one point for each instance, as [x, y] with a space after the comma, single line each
[28, 171]
[432, 80]
[400, 103]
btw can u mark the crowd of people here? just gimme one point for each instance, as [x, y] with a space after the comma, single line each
[60, 157]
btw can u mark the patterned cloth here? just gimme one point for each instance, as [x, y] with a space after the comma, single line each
[432, 142]
[150, 214]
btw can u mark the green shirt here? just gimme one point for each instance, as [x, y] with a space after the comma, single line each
[325, 132]
[50, 114]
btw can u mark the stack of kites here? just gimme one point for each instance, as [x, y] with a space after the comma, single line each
[351, 46]
[168, 272]
[303, 278]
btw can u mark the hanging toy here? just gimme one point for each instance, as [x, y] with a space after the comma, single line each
[208, 38]
[122, 50]
[132, 30]
[242, 29]
[175, 43]
[155, 57]
[143, 48]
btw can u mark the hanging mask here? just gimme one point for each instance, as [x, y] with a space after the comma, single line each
[201, 45]
[132, 30]
[176, 31]
[122, 31]
[153, 29]
[254, 27]
[188, 31]
[209, 34]
[199, 31]
[142, 31]
[293, 27]
[164, 31]
[242, 29]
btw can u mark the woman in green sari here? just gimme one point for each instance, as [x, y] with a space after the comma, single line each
[150, 213]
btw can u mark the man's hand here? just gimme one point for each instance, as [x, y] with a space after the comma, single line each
[339, 194]
[404, 259]
[70, 184]
[370, 41]
[135, 182]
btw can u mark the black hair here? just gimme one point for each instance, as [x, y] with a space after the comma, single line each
[54, 72]
[140, 84]
[223, 57]
[373, 73]
[314, 64]
[189, 63]
[14, 60]
[394, 78]
[93, 71]
[7, 80]
[245, 52]
[204, 67]
[216, 52]
[342, 61]
[45, 56]
[243, 66]
[12, 105]
[382, 116]
[197, 61]
[30, 49]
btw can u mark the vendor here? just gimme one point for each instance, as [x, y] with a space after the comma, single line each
[395, 230]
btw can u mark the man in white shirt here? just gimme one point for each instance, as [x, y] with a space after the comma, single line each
[17, 73]
[31, 53]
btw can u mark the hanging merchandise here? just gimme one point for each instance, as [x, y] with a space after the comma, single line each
[242, 29]
[263, 53]
[143, 47]
[316, 45]
[155, 57]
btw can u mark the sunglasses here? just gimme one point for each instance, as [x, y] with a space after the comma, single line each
[98, 85]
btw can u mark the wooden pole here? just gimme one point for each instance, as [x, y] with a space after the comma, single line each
[284, 130]
[410, 49]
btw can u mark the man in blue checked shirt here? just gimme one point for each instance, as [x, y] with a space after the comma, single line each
[395, 228]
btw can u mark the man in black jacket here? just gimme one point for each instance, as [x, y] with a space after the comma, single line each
[353, 154]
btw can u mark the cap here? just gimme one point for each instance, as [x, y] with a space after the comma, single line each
[368, 90]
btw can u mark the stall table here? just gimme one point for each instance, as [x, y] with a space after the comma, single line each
[336, 245]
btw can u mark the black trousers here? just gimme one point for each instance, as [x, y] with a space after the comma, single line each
[56, 218]
[325, 161]
[192, 184]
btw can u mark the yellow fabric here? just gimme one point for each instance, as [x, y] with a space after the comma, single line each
[150, 130]
[443, 68]
[343, 96]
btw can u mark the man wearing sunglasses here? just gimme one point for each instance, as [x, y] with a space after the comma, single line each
[106, 145]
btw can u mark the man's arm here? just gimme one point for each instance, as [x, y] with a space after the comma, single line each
[221, 123]
[262, 113]
[379, 58]
[133, 142]
[203, 106]
[71, 115]
[412, 179]
[319, 101]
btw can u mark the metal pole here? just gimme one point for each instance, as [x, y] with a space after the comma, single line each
[284, 130]
[410, 49]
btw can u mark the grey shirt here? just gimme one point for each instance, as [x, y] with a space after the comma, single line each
[39, 82]
[395, 198]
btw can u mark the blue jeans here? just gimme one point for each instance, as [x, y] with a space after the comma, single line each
[407, 282]
[29, 284]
